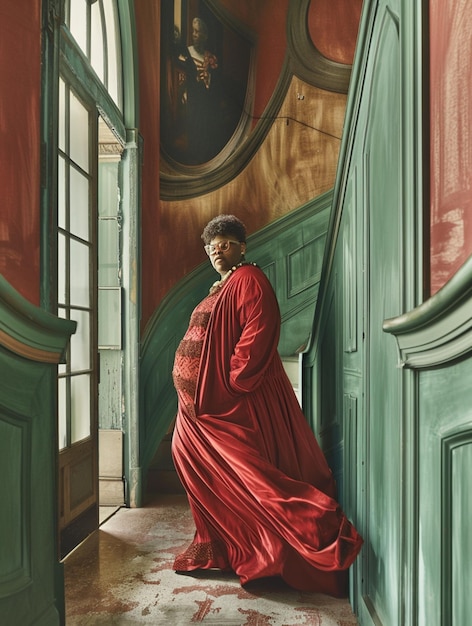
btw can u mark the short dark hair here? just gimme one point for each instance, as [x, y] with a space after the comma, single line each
[224, 225]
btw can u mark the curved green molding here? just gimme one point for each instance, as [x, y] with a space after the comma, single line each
[30, 331]
[306, 60]
[439, 330]
[129, 59]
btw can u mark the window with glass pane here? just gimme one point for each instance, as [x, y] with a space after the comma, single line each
[75, 264]
[109, 235]
[95, 28]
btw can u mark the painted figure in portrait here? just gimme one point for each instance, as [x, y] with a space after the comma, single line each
[205, 73]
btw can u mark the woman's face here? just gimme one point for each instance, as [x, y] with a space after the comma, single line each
[223, 260]
[198, 35]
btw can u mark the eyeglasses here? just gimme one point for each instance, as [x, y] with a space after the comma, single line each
[224, 246]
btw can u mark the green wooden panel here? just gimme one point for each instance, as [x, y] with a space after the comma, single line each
[31, 581]
[383, 297]
[353, 389]
[32, 342]
[15, 570]
[355, 357]
[435, 347]
[445, 485]
[458, 549]
[401, 410]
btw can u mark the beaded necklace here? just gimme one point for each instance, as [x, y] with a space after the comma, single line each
[219, 283]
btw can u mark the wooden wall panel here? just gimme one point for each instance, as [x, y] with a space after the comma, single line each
[15, 565]
[357, 388]
[435, 348]
[444, 452]
[411, 437]
[31, 584]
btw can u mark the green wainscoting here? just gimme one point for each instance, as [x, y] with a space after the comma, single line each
[353, 387]
[290, 251]
[435, 347]
[394, 416]
[32, 342]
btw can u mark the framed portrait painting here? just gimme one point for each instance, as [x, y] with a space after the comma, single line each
[206, 84]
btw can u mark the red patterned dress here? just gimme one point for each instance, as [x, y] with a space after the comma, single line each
[187, 356]
[261, 493]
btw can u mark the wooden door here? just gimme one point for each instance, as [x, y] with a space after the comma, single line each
[77, 301]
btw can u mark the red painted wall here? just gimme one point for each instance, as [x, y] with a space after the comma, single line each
[333, 27]
[148, 26]
[451, 137]
[20, 82]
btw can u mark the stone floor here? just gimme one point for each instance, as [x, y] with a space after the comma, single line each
[122, 574]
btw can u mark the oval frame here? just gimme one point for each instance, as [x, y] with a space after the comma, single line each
[179, 182]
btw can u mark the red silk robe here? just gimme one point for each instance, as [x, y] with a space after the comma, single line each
[260, 490]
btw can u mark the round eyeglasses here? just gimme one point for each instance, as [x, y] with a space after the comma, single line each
[224, 246]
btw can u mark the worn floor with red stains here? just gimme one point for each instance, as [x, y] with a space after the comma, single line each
[122, 574]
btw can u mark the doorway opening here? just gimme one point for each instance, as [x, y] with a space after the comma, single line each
[110, 344]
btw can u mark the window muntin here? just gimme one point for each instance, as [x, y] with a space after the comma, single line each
[96, 30]
[75, 282]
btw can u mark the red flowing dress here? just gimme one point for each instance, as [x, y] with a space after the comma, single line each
[261, 493]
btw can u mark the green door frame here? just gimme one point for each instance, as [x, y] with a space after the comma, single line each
[55, 46]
